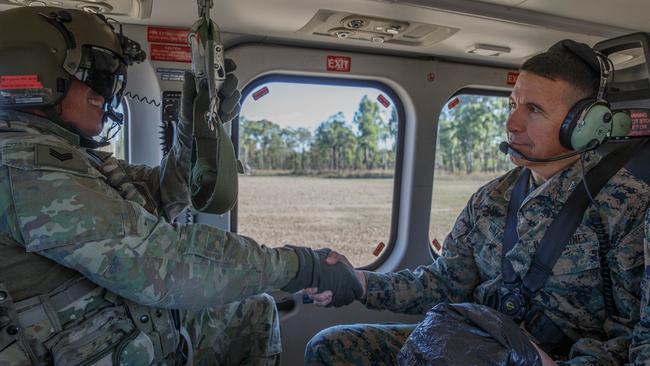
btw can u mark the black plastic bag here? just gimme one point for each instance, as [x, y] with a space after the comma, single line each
[468, 334]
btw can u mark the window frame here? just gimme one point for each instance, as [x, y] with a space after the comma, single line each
[399, 153]
[462, 91]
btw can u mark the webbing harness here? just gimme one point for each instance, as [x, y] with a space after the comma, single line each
[213, 179]
[513, 297]
[215, 168]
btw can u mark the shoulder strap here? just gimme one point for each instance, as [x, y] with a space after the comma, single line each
[570, 216]
[519, 194]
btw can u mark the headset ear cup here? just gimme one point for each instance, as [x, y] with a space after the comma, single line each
[595, 124]
[571, 120]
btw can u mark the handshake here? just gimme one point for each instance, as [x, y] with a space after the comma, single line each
[327, 277]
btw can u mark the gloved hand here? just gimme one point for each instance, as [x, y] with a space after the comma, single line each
[314, 271]
[229, 97]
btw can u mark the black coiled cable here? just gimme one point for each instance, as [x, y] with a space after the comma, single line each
[142, 99]
[606, 273]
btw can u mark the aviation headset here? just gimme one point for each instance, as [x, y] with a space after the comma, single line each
[590, 121]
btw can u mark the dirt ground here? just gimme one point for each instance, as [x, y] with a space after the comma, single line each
[348, 215]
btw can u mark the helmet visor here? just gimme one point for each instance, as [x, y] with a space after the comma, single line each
[104, 72]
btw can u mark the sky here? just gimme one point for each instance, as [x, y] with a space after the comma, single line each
[306, 105]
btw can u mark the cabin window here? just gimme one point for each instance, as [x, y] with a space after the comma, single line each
[119, 142]
[320, 161]
[470, 128]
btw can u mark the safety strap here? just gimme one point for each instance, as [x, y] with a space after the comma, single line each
[519, 194]
[214, 166]
[549, 336]
[565, 223]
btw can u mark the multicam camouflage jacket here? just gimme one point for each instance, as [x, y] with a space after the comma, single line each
[469, 268]
[64, 213]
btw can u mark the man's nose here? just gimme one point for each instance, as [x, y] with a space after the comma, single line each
[515, 122]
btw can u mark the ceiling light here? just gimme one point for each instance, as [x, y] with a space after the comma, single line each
[393, 30]
[619, 58]
[487, 50]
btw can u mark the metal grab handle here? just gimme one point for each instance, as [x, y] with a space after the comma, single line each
[207, 58]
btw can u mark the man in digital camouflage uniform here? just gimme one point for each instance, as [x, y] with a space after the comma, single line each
[92, 269]
[469, 269]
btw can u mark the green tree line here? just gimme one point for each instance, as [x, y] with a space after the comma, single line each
[367, 143]
[469, 134]
[468, 138]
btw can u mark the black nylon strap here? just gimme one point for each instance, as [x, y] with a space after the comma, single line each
[565, 224]
[519, 193]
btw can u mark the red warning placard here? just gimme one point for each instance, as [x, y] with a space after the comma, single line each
[167, 35]
[453, 103]
[166, 52]
[339, 63]
[260, 93]
[378, 249]
[511, 79]
[435, 244]
[20, 82]
[640, 123]
[383, 100]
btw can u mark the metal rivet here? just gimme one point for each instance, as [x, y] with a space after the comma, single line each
[3, 296]
[144, 318]
[12, 330]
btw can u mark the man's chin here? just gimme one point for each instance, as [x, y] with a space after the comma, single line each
[523, 162]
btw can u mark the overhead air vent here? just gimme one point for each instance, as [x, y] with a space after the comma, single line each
[359, 27]
[135, 9]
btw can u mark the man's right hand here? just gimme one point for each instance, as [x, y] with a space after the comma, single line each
[315, 271]
[324, 298]
[229, 98]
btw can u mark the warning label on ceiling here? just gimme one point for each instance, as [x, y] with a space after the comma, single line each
[165, 52]
[167, 35]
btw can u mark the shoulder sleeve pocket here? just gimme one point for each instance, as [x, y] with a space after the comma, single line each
[61, 203]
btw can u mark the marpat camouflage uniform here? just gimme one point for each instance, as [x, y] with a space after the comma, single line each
[62, 202]
[470, 267]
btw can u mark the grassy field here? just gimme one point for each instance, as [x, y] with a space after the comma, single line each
[348, 215]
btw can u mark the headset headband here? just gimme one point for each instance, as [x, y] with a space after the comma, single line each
[596, 60]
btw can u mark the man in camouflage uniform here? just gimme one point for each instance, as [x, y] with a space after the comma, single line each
[469, 268]
[92, 269]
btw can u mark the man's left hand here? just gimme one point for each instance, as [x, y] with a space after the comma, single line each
[325, 298]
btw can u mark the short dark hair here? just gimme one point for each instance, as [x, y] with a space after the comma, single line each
[561, 64]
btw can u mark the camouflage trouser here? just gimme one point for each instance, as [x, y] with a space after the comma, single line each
[240, 333]
[359, 344]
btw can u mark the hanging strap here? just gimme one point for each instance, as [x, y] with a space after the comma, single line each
[214, 165]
